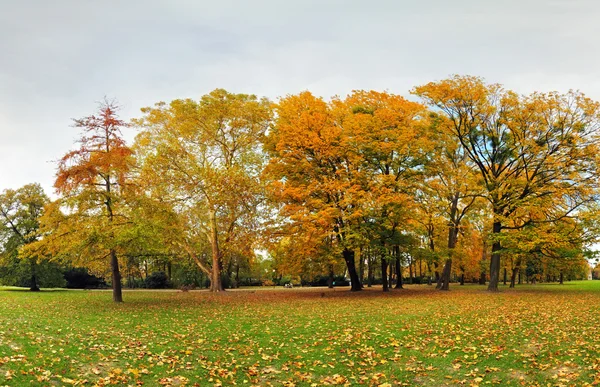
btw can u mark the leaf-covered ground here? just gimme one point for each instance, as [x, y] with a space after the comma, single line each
[546, 335]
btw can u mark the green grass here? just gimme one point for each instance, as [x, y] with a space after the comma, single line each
[534, 335]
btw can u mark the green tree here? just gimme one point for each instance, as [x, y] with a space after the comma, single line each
[20, 211]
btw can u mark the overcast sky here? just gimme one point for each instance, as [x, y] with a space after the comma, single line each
[57, 58]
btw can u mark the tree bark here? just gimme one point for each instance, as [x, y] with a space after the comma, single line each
[34, 285]
[390, 273]
[398, 268]
[350, 264]
[561, 278]
[370, 272]
[445, 278]
[116, 277]
[330, 279]
[495, 260]
[361, 266]
[452, 239]
[215, 279]
[513, 277]
[384, 279]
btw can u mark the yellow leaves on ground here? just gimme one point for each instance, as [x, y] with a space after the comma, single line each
[533, 336]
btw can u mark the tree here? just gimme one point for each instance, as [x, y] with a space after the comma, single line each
[201, 162]
[527, 149]
[387, 131]
[88, 222]
[451, 186]
[315, 173]
[20, 211]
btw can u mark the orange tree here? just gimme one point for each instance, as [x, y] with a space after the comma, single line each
[345, 168]
[315, 173]
[87, 222]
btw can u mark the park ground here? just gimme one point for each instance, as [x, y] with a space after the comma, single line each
[535, 335]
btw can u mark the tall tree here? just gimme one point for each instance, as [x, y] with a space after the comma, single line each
[201, 160]
[387, 132]
[451, 186]
[88, 222]
[316, 174]
[526, 149]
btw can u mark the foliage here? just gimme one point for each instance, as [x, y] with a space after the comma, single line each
[80, 278]
[20, 212]
[157, 280]
[200, 163]
[88, 224]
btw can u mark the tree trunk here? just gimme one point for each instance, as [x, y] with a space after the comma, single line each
[398, 268]
[462, 278]
[34, 285]
[215, 279]
[370, 272]
[384, 279]
[116, 277]
[410, 272]
[452, 239]
[330, 279]
[351, 266]
[445, 278]
[513, 277]
[390, 273]
[361, 266]
[561, 278]
[504, 276]
[495, 260]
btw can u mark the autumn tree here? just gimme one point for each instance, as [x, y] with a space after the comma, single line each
[526, 149]
[20, 211]
[200, 161]
[387, 132]
[87, 223]
[315, 173]
[451, 187]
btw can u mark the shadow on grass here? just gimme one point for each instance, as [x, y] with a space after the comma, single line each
[26, 290]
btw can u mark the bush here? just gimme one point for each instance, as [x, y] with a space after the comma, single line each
[80, 278]
[157, 280]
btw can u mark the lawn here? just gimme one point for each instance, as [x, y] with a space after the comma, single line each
[546, 335]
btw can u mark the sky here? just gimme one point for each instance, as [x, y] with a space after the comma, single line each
[58, 58]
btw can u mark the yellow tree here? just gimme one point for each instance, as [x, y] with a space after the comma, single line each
[201, 160]
[451, 187]
[525, 148]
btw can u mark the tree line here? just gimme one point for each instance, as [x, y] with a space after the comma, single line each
[461, 181]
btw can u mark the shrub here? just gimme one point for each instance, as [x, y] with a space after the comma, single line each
[157, 280]
[80, 278]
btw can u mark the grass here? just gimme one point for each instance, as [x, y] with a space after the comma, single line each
[533, 336]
